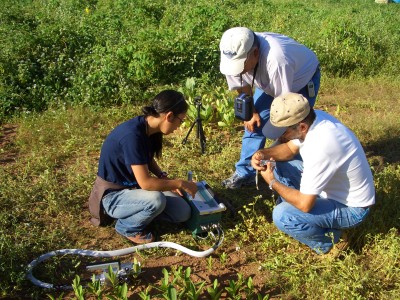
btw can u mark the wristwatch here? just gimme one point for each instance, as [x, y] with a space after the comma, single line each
[271, 184]
[162, 174]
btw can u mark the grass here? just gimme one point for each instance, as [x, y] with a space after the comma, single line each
[44, 189]
[110, 52]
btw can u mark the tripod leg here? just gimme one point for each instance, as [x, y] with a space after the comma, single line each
[199, 131]
[187, 135]
[201, 136]
[198, 122]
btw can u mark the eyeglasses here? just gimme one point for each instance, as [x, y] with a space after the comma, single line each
[292, 127]
[180, 120]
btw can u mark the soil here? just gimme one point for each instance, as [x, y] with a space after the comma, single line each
[7, 134]
[239, 261]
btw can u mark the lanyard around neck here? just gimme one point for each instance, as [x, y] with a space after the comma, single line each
[252, 82]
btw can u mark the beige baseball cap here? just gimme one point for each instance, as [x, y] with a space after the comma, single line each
[286, 110]
[234, 46]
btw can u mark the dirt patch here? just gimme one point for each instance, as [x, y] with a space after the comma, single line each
[7, 136]
[238, 262]
[243, 260]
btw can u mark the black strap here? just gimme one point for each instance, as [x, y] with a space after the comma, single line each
[252, 82]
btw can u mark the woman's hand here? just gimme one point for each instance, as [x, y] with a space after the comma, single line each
[189, 187]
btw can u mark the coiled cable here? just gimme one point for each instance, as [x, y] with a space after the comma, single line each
[120, 252]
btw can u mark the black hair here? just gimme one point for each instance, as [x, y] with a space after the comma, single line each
[310, 117]
[164, 102]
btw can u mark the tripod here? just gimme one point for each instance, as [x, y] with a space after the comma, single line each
[200, 133]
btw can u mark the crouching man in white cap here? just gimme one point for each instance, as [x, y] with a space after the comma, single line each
[329, 188]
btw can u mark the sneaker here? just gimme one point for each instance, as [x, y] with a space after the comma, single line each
[339, 248]
[143, 237]
[344, 242]
[236, 182]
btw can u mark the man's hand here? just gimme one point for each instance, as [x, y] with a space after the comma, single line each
[268, 173]
[266, 170]
[255, 160]
[255, 121]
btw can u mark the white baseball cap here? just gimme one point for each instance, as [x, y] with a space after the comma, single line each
[234, 46]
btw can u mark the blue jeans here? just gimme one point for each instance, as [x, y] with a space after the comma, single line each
[253, 141]
[135, 209]
[322, 226]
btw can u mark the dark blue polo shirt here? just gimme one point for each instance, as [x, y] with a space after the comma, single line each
[126, 145]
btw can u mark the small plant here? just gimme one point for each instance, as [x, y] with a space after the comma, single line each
[145, 295]
[340, 110]
[251, 218]
[261, 297]
[95, 288]
[224, 107]
[177, 285]
[214, 291]
[190, 290]
[209, 263]
[204, 103]
[223, 258]
[78, 289]
[194, 290]
[60, 297]
[249, 288]
[136, 268]
[112, 277]
[166, 287]
[170, 293]
[121, 292]
[235, 287]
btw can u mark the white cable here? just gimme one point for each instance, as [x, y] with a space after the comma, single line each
[113, 253]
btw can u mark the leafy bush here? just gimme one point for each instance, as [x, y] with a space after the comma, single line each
[111, 52]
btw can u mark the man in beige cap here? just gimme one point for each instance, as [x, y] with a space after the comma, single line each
[272, 64]
[325, 190]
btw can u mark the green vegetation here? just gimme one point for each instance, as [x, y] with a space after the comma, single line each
[104, 52]
[72, 70]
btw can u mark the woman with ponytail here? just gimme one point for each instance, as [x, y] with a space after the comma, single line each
[130, 186]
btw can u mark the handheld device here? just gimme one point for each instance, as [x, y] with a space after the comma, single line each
[264, 162]
[244, 107]
[311, 89]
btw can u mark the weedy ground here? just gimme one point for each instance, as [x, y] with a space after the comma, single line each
[49, 161]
